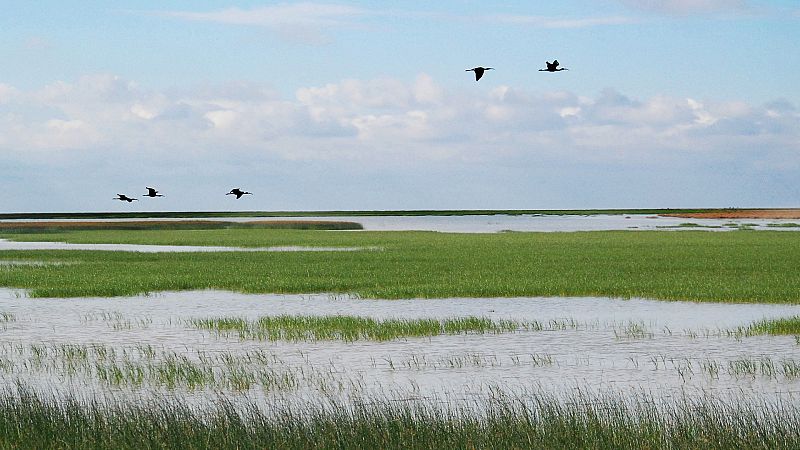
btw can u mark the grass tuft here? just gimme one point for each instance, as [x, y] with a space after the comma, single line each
[784, 326]
[348, 328]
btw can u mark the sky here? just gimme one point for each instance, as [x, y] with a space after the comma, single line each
[356, 105]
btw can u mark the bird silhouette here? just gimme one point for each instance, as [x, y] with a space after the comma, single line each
[125, 198]
[479, 71]
[152, 192]
[552, 67]
[238, 193]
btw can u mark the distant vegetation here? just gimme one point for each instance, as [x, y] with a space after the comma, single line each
[54, 227]
[690, 265]
[419, 212]
[784, 225]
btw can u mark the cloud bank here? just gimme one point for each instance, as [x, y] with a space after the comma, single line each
[373, 116]
[386, 125]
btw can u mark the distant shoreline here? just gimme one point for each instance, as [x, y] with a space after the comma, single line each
[710, 213]
[741, 214]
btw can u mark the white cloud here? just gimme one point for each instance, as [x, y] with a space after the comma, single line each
[686, 7]
[305, 22]
[382, 122]
[309, 22]
[37, 43]
[297, 14]
[553, 22]
[115, 129]
[7, 93]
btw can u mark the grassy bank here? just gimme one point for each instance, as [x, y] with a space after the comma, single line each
[702, 266]
[30, 421]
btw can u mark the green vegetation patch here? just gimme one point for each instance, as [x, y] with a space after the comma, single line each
[29, 420]
[689, 225]
[691, 265]
[349, 328]
[784, 225]
[784, 326]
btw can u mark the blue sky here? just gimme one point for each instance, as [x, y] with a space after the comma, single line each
[366, 105]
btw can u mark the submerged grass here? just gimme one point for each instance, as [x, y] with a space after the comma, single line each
[348, 328]
[30, 420]
[700, 266]
[689, 225]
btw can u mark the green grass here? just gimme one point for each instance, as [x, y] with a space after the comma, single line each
[733, 267]
[785, 326]
[348, 328]
[32, 421]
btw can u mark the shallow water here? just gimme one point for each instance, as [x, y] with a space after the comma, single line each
[665, 348]
[553, 223]
[501, 222]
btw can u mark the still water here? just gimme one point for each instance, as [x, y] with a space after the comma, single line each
[527, 222]
[666, 349]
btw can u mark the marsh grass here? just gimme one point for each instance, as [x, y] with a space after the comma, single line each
[689, 225]
[691, 265]
[147, 366]
[31, 420]
[632, 330]
[783, 326]
[349, 328]
[153, 225]
[784, 225]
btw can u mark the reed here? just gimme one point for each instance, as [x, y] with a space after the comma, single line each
[783, 326]
[32, 420]
[348, 328]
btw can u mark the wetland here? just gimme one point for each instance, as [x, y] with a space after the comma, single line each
[659, 339]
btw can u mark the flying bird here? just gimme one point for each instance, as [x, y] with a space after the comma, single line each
[552, 67]
[152, 192]
[125, 198]
[238, 193]
[479, 71]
